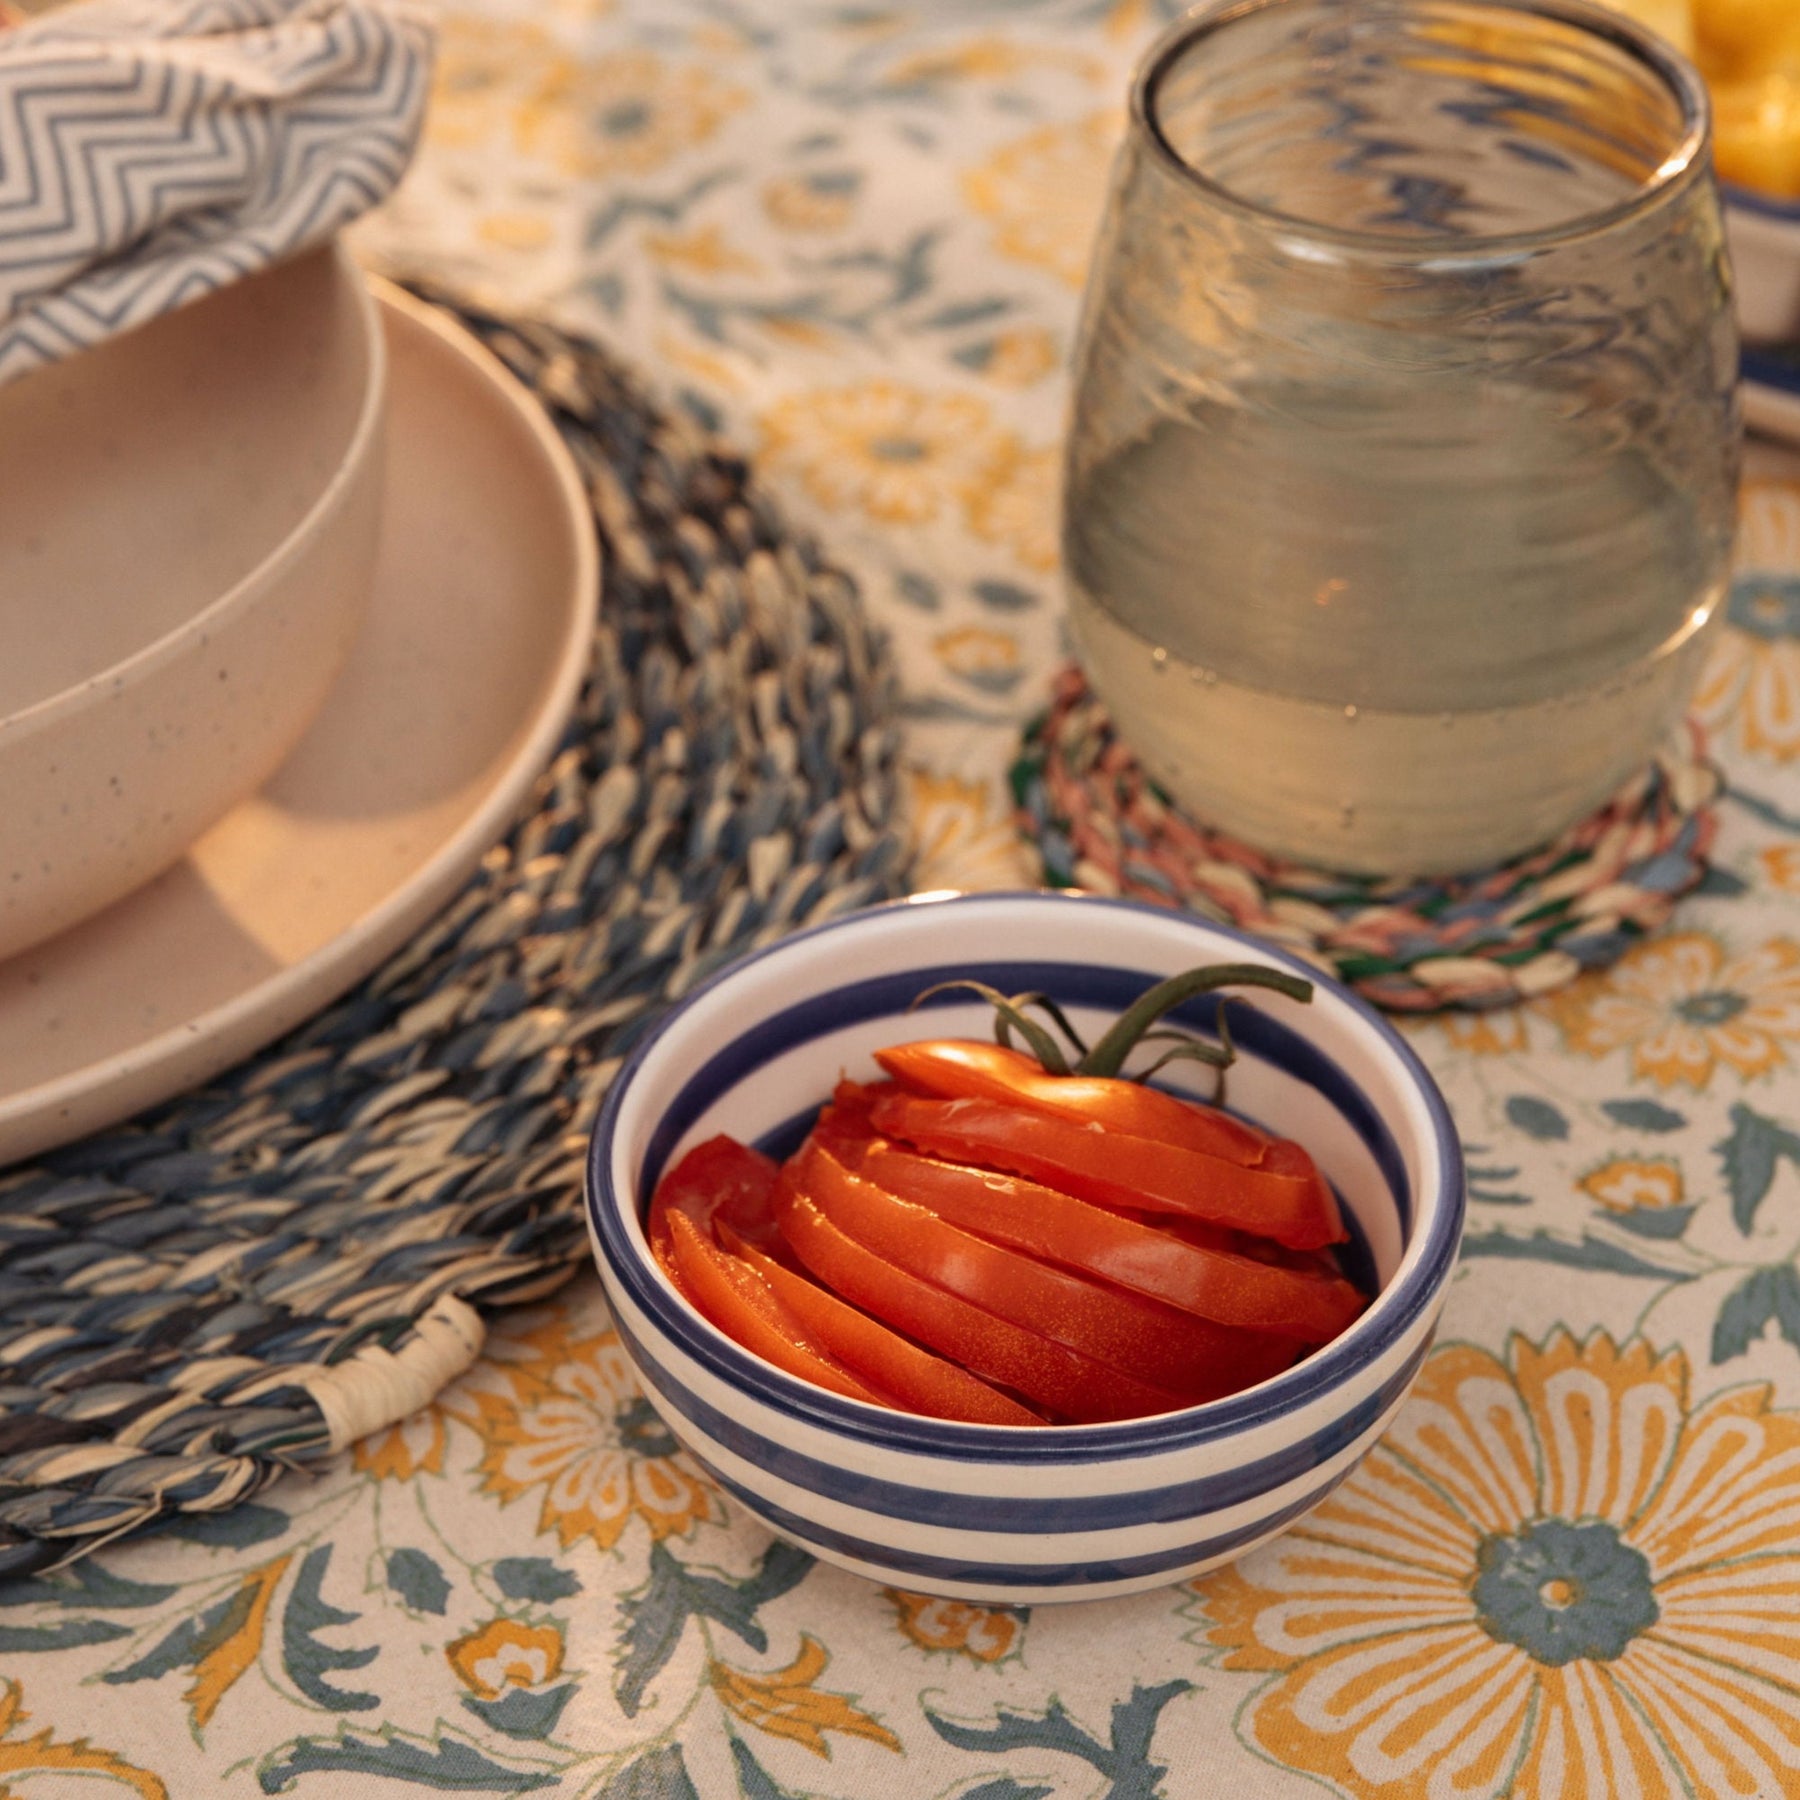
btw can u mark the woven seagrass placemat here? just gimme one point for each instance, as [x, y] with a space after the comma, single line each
[1487, 939]
[255, 1275]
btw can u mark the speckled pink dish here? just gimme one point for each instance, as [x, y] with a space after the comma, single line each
[478, 631]
[187, 542]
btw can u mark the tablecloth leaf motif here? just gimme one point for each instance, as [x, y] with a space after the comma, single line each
[1558, 1576]
[418, 1579]
[307, 1657]
[448, 1763]
[216, 1644]
[654, 1617]
[1123, 1759]
[1766, 1296]
[231, 1640]
[43, 1753]
[788, 1702]
[753, 1780]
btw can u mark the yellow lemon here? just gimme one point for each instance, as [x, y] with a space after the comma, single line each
[1756, 132]
[1747, 37]
[1671, 19]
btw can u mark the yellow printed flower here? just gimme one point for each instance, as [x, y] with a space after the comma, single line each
[819, 201]
[1045, 192]
[1628, 1184]
[1681, 1007]
[476, 77]
[1020, 357]
[624, 114]
[715, 39]
[963, 836]
[1127, 19]
[989, 58]
[572, 1425]
[1501, 1032]
[413, 1447]
[1750, 689]
[703, 252]
[684, 353]
[897, 453]
[519, 232]
[506, 1653]
[1781, 867]
[986, 1634]
[1552, 1580]
[1769, 523]
[1021, 506]
[988, 659]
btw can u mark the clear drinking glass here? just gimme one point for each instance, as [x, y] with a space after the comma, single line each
[1401, 484]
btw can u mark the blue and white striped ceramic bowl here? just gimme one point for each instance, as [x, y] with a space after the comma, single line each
[993, 1512]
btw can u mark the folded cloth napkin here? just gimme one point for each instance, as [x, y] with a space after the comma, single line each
[154, 150]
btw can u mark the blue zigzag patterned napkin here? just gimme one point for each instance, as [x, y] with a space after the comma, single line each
[154, 150]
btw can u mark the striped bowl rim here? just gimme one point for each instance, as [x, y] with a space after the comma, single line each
[1412, 1292]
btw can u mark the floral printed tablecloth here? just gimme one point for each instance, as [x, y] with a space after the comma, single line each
[854, 234]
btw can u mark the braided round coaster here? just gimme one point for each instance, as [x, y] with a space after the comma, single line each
[1475, 941]
[261, 1272]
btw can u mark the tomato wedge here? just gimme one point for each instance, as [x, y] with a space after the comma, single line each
[743, 1306]
[1209, 1282]
[916, 1378]
[719, 1179]
[1061, 1380]
[1115, 1168]
[963, 1069]
[1140, 1337]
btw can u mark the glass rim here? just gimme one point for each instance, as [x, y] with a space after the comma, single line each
[1687, 162]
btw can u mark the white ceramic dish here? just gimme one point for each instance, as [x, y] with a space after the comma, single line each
[187, 544]
[477, 637]
[1002, 1512]
[1772, 393]
[1764, 236]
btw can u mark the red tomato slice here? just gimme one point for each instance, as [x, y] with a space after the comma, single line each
[959, 1069]
[1114, 1168]
[844, 1121]
[1140, 1337]
[916, 1378]
[1214, 1284]
[743, 1306]
[718, 1179]
[1061, 1380]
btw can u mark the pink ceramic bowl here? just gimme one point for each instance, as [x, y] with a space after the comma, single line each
[187, 546]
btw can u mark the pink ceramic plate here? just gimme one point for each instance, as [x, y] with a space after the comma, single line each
[455, 695]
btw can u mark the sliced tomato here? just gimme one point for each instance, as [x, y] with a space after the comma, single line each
[1205, 1280]
[844, 1122]
[1116, 1168]
[1142, 1337]
[1064, 1382]
[720, 1178]
[743, 1306]
[963, 1069]
[915, 1377]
